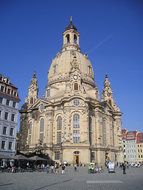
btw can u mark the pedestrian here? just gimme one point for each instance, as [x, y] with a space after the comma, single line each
[63, 169]
[47, 168]
[75, 167]
[56, 168]
[124, 168]
[52, 169]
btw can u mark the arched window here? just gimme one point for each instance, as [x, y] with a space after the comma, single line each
[30, 131]
[59, 123]
[89, 70]
[75, 39]
[30, 128]
[110, 102]
[76, 121]
[68, 38]
[76, 131]
[31, 100]
[90, 130]
[42, 125]
[59, 128]
[75, 86]
[41, 137]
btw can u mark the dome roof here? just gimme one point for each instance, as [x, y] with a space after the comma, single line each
[62, 64]
[71, 25]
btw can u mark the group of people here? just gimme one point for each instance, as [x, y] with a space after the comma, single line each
[55, 168]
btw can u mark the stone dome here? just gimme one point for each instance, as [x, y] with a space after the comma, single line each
[69, 58]
[62, 65]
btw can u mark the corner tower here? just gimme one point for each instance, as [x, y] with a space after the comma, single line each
[32, 91]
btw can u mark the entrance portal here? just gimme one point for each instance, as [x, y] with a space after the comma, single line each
[76, 157]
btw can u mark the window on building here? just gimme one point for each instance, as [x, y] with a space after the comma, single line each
[30, 127]
[12, 117]
[6, 116]
[2, 88]
[15, 93]
[29, 139]
[4, 130]
[57, 155]
[7, 102]
[59, 137]
[10, 145]
[30, 131]
[76, 121]
[11, 131]
[90, 130]
[9, 90]
[41, 130]
[76, 102]
[1, 100]
[3, 145]
[75, 39]
[41, 137]
[14, 104]
[48, 92]
[76, 125]
[55, 69]
[0, 113]
[31, 100]
[42, 125]
[75, 86]
[92, 156]
[89, 70]
[68, 38]
[76, 139]
[59, 123]
[76, 132]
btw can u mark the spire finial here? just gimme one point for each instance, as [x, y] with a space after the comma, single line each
[34, 74]
[106, 76]
[70, 19]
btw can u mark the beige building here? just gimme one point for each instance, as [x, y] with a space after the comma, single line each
[139, 147]
[71, 123]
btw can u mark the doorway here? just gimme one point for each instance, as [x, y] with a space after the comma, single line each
[76, 157]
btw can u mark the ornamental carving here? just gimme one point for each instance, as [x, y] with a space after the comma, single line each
[35, 114]
[74, 64]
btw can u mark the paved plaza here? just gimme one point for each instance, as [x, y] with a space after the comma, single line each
[72, 180]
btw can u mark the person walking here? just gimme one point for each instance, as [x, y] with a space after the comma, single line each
[63, 169]
[124, 168]
[75, 167]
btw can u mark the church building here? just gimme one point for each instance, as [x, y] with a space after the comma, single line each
[71, 122]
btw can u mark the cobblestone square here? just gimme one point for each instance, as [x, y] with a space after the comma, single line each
[72, 180]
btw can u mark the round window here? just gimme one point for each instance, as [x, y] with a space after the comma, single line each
[76, 102]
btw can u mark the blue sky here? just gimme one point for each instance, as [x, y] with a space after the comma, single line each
[111, 33]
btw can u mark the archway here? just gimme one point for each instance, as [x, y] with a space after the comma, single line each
[76, 159]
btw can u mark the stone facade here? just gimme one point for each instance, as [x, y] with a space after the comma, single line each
[71, 122]
[9, 101]
[132, 142]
